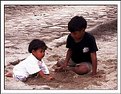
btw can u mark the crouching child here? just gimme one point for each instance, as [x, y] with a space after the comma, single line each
[33, 64]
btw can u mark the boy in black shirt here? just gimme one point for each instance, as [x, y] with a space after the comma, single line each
[81, 54]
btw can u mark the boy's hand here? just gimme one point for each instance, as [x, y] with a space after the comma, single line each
[93, 74]
[96, 76]
[58, 69]
[49, 78]
[64, 66]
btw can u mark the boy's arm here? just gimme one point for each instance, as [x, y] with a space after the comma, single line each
[47, 77]
[44, 67]
[68, 56]
[42, 74]
[94, 63]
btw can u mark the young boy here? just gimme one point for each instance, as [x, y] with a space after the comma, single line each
[33, 64]
[81, 54]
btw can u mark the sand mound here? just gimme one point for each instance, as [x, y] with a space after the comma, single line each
[106, 28]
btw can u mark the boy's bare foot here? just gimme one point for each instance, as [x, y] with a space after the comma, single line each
[9, 74]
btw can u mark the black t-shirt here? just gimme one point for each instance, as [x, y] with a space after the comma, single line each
[81, 50]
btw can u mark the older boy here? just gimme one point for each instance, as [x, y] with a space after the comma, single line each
[81, 54]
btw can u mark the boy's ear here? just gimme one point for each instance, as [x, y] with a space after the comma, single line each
[83, 29]
[33, 51]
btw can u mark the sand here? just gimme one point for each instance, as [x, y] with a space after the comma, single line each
[49, 23]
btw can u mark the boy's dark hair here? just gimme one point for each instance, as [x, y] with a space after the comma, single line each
[36, 44]
[77, 23]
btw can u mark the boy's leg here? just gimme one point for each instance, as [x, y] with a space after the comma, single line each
[82, 68]
[19, 78]
[9, 74]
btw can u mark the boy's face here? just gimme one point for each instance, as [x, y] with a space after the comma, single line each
[77, 35]
[39, 53]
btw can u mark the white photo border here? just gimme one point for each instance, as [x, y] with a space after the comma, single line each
[3, 91]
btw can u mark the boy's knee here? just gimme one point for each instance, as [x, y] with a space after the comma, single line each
[82, 69]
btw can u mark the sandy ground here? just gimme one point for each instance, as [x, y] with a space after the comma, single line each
[49, 23]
